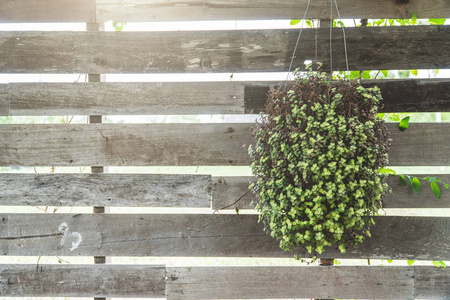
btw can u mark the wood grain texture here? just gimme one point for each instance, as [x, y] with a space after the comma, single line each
[106, 190]
[133, 145]
[425, 238]
[122, 98]
[375, 282]
[194, 10]
[423, 95]
[227, 189]
[31, 11]
[432, 283]
[412, 95]
[181, 144]
[222, 51]
[82, 281]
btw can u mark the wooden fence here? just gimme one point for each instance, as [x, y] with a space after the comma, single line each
[227, 235]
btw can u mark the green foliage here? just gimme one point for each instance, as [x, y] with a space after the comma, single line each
[118, 26]
[317, 156]
[410, 262]
[440, 264]
[404, 123]
[436, 21]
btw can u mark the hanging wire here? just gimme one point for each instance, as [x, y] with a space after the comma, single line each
[331, 30]
[296, 44]
[343, 32]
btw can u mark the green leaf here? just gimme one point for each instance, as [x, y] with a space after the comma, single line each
[385, 73]
[436, 190]
[414, 72]
[440, 264]
[402, 180]
[410, 262]
[294, 22]
[336, 262]
[436, 21]
[354, 74]
[433, 179]
[366, 75]
[389, 260]
[404, 73]
[416, 185]
[414, 19]
[447, 186]
[436, 71]
[387, 171]
[381, 116]
[404, 124]
[308, 23]
[409, 180]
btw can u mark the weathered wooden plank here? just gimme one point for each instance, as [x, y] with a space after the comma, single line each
[191, 10]
[29, 11]
[387, 47]
[181, 144]
[82, 281]
[122, 98]
[423, 95]
[227, 189]
[424, 238]
[106, 190]
[134, 145]
[375, 282]
[431, 283]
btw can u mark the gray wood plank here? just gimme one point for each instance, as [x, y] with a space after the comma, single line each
[413, 95]
[133, 145]
[29, 11]
[431, 283]
[158, 190]
[374, 282]
[181, 144]
[32, 280]
[425, 238]
[122, 98]
[193, 10]
[222, 51]
[227, 189]
[422, 95]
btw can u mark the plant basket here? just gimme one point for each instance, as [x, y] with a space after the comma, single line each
[317, 157]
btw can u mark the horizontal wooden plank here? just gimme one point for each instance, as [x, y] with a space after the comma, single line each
[181, 144]
[82, 281]
[193, 10]
[362, 282]
[134, 145]
[387, 47]
[215, 282]
[431, 283]
[106, 190]
[57, 99]
[227, 189]
[31, 11]
[225, 235]
[423, 95]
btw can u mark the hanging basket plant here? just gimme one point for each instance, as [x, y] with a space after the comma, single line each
[317, 155]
